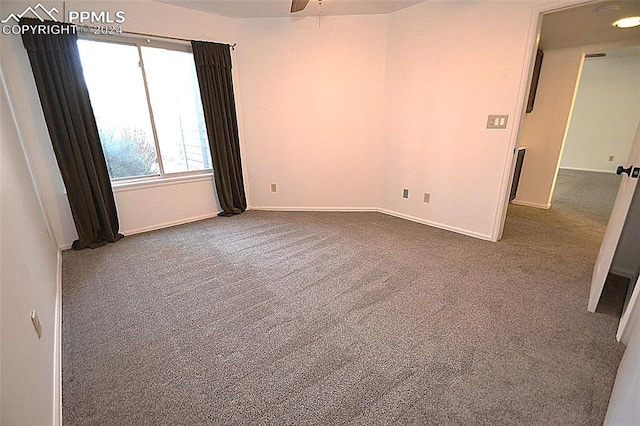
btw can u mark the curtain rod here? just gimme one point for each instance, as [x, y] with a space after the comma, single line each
[233, 46]
[64, 13]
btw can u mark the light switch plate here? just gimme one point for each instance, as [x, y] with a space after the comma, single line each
[497, 121]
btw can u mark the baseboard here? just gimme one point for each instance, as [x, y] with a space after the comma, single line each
[65, 247]
[437, 225]
[169, 224]
[156, 227]
[310, 209]
[376, 210]
[316, 209]
[580, 169]
[57, 347]
[529, 204]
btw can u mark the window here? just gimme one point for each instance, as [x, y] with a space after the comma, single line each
[147, 107]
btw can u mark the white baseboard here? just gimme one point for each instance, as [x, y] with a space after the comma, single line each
[65, 247]
[377, 210]
[309, 209]
[437, 225]
[529, 204]
[316, 209]
[57, 347]
[155, 227]
[580, 169]
[168, 224]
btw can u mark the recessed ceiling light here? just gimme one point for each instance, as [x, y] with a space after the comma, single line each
[630, 22]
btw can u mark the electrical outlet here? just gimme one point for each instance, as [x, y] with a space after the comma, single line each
[405, 193]
[427, 197]
[274, 188]
[36, 323]
[610, 158]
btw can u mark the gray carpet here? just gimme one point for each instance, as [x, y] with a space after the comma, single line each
[589, 195]
[338, 318]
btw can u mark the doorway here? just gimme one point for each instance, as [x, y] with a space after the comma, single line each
[565, 35]
[544, 131]
[600, 133]
[597, 121]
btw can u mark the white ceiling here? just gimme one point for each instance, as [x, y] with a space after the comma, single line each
[576, 26]
[589, 24]
[281, 8]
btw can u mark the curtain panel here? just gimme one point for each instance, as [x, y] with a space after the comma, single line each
[64, 97]
[213, 68]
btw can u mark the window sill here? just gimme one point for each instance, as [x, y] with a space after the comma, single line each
[159, 181]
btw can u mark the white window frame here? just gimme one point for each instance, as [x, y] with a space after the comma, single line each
[169, 44]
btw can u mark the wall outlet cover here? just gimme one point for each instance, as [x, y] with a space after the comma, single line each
[405, 193]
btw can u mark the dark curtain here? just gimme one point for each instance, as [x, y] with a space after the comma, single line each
[57, 71]
[213, 67]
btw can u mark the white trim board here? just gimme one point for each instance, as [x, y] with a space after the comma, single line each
[316, 209]
[134, 185]
[309, 209]
[378, 210]
[438, 225]
[57, 347]
[580, 169]
[169, 224]
[157, 227]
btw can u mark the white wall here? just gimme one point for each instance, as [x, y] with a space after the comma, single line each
[450, 65]
[343, 115]
[153, 206]
[605, 114]
[28, 280]
[543, 129]
[140, 208]
[312, 100]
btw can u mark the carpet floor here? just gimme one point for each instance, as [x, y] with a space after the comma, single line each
[338, 318]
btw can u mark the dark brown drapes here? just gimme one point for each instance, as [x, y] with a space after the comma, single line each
[57, 71]
[213, 67]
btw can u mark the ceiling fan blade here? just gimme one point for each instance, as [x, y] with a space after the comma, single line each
[298, 5]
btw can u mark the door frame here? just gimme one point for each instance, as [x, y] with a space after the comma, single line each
[533, 39]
